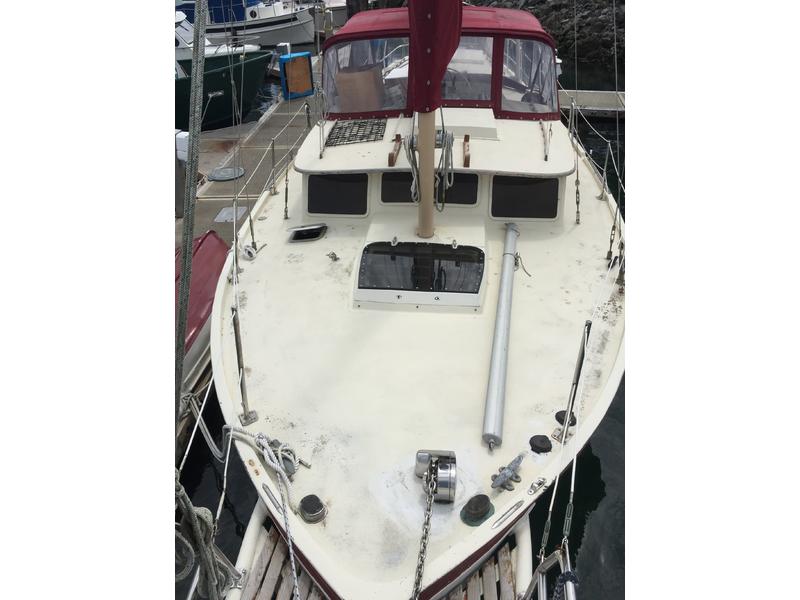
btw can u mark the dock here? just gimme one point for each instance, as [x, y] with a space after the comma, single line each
[271, 575]
[594, 103]
[251, 146]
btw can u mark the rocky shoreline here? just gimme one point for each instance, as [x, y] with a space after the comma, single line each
[595, 26]
[595, 31]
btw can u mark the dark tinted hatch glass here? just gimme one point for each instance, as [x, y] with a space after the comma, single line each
[423, 267]
[524, 197]
[343, 194]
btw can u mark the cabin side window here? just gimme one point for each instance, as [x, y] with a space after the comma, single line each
[524, 197]
[338, 194]
[469, 73]
[366, 76]
[396, 189]
[529, 77]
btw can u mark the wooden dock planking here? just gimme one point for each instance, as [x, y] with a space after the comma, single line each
[456, 594]
[303, 585]
[287, 582]
[474, 586]
[256, 576]
[217, 150]
[506, 573]
[273, 572]
[271, 576]
[489, 579]
[316, 594]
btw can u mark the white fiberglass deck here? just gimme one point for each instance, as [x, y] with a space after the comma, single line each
[358, 389]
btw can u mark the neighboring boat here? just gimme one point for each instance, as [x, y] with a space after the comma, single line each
[216, 55]
[362, 338]
[246, 66]
[256, 22]
[208, 257]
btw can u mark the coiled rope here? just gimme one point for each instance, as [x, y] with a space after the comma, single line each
[566, 576]
[194, 539]
[444, 173]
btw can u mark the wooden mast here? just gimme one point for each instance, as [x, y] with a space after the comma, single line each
[435, 31]
[426, 142]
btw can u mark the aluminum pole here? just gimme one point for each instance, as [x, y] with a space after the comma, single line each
[496, 388]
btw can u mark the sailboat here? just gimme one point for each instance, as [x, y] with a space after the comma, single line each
[256, 22]
[413, 339]
[232, 76]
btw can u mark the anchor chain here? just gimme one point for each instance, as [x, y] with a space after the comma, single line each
[431, 479]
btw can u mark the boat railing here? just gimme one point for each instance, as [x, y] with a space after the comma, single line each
[558, 558]
[600, 172]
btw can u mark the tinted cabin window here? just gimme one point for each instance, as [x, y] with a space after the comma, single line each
[421, 267]
[524, 198]
[396, 187]
[344, 194]
[463, 191]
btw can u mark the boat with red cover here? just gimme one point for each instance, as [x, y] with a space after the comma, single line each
[414, 338]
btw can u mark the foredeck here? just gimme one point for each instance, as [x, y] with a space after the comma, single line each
[357, 388]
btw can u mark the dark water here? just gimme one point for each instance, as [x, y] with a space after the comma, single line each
[597, 538]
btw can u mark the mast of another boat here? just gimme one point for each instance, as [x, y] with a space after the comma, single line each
[190, 193]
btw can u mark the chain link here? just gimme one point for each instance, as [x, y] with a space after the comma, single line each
[431, 479]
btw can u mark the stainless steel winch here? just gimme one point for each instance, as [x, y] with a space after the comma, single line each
[445, 472]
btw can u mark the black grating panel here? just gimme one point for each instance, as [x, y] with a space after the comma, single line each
[343, 194]
[358, 130]
[524, 197]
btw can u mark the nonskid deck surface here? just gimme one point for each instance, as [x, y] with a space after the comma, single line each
[356, 390]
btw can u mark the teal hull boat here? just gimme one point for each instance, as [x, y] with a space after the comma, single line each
[247, 71]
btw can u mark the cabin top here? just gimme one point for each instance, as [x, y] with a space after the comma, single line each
[505, 61]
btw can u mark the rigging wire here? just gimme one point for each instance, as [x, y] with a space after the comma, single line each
[616, 79]
[189, 199]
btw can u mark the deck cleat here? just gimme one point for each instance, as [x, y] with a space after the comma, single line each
[508, 474]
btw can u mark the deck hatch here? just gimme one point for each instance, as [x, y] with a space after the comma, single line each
[524, 197]
[337, 194]
[421, 267]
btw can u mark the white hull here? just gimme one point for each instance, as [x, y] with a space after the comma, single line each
[357, 387]
[294, 28]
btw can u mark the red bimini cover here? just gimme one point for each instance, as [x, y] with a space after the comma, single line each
[393, 22]
[208, 257]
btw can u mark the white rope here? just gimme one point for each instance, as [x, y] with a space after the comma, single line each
[198, 421]
[275, 463]
[412, 161]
